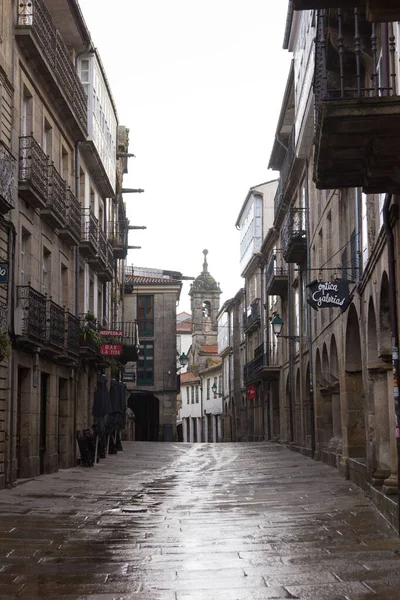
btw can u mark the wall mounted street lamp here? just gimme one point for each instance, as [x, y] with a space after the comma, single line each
[183, 359]
[214, 391]
[277, 325]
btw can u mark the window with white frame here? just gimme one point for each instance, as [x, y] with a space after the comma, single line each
[197, 394]
[192, 393]
[188, 395]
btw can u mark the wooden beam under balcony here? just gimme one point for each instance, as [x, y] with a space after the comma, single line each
[357, 144]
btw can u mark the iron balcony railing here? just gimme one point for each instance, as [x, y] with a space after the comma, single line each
[8, 174]
[261, 359]
[102, 246]
[34, 15]
[252, 314]
[33, 321]
[72, 327]
[110, 256]
[294, 228]
[73, 215]
[33, 166]
[277, 267]
[56, 197]
[348, 60]
[118, 235]
[90, 227]
[55, 335]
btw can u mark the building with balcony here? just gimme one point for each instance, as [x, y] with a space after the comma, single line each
[54, 237]
[150, 299]
[255, 220]
[335, 228]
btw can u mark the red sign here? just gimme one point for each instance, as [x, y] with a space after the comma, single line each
[111, 349]
[251, 392]
[111, 333]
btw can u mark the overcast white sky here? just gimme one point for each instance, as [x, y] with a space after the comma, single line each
[200, 85]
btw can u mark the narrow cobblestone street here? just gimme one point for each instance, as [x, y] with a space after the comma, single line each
[196, 522]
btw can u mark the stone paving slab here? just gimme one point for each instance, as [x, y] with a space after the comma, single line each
[196, 522]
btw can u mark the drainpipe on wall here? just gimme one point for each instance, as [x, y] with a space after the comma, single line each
[290, 353]
[395, 330]
[11, 301]
[309, 328]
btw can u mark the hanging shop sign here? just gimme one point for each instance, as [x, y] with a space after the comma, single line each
[325, 294]
[251, 392]
[111, 350]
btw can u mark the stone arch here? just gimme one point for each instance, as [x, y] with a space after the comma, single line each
[372, 336]
[354, 433]
[385, 329]
[325, 360]
[289, 410]
[309, 425]
[336, 443]
[298, 412]
[379, 371]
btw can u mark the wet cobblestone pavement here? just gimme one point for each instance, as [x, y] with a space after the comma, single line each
[196, 522]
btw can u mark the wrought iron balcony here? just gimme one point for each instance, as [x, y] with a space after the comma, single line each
[294, 236]
[43, 46]
[90, 339]
[105, 267]
[33, 172]
[119, 239]
[377, 10]
[72, 328]
[71, 233]
[55, 330]
[357, 138]
[252, 316]
[55, 211]
[276, 279]
[8, 177]
[261, 367]
[89, 246]
[31, 316]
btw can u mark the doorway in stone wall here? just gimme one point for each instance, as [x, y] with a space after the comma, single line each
[44, 380]
[22, 422]
[354, 391]
[146, 408]
[65, 425]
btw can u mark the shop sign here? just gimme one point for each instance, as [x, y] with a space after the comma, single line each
[111, 333]
[3, 273]
[111, 350]
[326, 294]
[251, 392]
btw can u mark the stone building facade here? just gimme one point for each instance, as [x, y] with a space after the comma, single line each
[202, 408]
[150, 299]
[335, 221]
[60, 190]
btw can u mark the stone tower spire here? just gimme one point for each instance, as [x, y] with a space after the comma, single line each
[205, 303]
